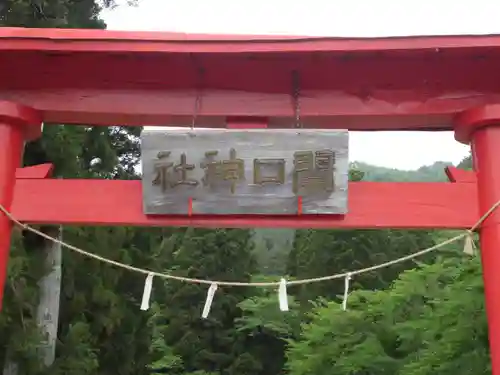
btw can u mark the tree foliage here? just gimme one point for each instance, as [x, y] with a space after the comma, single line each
[212, 344]
[466, 163]
[430, 321]
[53, 13]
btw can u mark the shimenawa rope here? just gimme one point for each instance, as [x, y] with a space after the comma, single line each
[468, 233]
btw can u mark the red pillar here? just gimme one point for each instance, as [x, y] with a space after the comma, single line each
[17, 124]
[481, 128]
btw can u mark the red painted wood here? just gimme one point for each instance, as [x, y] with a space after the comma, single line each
[11, 146]
[467, 122]
[460, 175]
[27, 118]
[18, 123]
[246, 123]
[35, 171]
[331, 110]
[108, 40]
[486, 151]
[371, 205]
[89, 35]
[375, 84]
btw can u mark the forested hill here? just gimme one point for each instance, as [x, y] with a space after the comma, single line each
[434, 172]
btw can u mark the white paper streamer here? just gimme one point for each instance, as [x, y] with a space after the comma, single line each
[469, 245]
[146, 295]
[346, 291]
[208, 301]
[282, 296]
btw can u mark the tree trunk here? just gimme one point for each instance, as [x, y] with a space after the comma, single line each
[48, 307]
[50, 290]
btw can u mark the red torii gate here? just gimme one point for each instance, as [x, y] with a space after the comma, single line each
[108, 78]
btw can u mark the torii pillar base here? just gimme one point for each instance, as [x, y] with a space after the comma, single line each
[17, 125]
[480, 128]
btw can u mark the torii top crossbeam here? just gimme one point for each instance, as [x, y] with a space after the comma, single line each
[121, 78]
[360, 84]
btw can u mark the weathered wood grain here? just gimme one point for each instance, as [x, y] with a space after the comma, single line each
[255, 171]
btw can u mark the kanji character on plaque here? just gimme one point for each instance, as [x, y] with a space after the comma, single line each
[216, 171]
[169, 175]
[268, 171]
[313, 171]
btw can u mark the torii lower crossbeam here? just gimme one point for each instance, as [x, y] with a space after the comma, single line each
[372, 205]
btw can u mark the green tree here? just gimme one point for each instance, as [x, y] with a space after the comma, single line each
[212, 344]
[53, 13]
[431, 320]
[324, 252]
[267, 329]
[466, 162]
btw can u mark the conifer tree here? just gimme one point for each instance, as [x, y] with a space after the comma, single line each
[212, 344]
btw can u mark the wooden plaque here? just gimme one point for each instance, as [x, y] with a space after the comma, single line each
[255, 171]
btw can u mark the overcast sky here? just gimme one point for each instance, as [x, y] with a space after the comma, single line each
[343, 18]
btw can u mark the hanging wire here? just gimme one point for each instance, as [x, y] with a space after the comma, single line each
[296, 97]
[199, 91]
